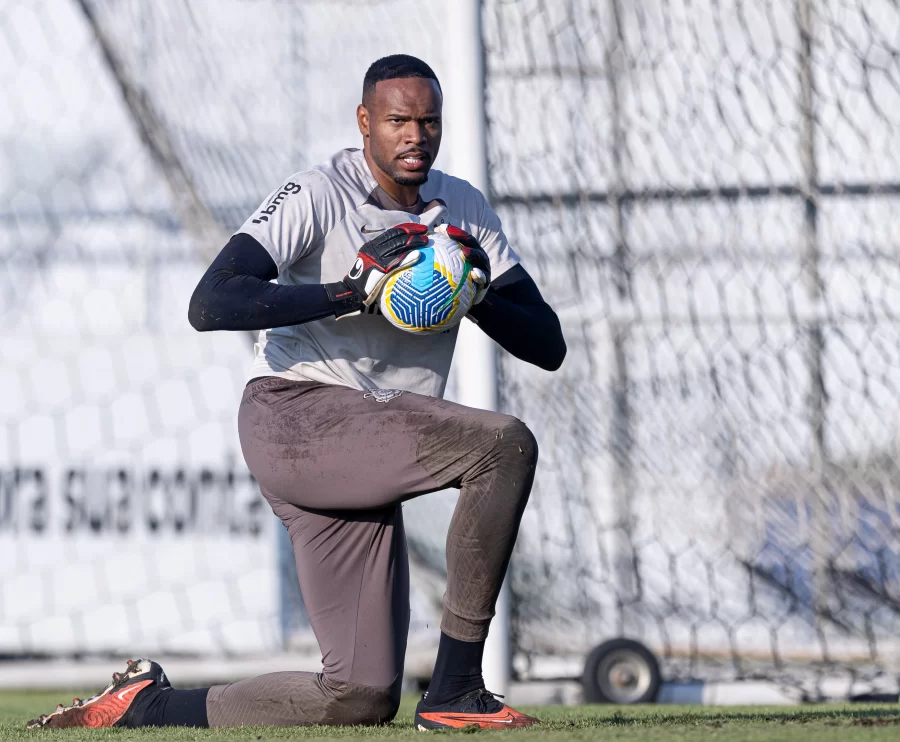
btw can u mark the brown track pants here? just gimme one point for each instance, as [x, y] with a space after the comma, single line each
[335, 463]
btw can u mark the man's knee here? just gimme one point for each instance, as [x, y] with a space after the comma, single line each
[518, 442]
[363, 705]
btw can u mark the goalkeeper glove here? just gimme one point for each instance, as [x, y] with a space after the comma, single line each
[475, 256]
[376, 261]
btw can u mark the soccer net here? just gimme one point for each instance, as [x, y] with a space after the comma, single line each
[707, 193]
[128, 519]
[134, 139]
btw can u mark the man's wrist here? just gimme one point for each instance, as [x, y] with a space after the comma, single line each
[485, 307]
[345, 299]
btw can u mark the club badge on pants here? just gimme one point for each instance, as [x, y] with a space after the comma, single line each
[383, 395]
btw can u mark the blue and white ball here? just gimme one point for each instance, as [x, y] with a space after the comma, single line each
[433, 294]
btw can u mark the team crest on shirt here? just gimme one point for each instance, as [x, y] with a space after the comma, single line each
[383, 395]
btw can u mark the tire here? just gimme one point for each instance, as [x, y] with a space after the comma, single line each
[621, 671]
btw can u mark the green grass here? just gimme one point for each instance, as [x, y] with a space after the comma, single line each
[561, 724]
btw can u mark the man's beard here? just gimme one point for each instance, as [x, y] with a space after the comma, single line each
[397, 175]
[405, 179]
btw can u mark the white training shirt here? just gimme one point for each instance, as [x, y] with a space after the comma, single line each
[313, 227]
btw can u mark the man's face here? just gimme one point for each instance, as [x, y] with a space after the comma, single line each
[402, 120]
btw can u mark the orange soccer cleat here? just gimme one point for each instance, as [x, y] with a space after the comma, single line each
[479, 708]
[111, 704]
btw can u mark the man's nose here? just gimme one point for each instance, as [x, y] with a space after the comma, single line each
[414, 132]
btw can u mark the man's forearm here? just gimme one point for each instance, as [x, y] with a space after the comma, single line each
[236, 293]
[530, 332]
[229, 301]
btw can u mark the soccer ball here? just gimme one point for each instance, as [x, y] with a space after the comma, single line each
[433, 294]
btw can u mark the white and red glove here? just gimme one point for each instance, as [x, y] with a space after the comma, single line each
[377, 260]
[475, 256]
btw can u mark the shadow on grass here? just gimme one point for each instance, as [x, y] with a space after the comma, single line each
[887, 716]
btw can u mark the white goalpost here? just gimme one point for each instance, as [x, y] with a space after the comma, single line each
[475, 360]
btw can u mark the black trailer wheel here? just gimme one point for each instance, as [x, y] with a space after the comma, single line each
[621, 671]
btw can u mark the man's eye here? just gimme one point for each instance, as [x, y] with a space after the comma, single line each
[396, 121]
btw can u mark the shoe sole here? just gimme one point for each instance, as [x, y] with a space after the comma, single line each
[423, 728]
[435, 726]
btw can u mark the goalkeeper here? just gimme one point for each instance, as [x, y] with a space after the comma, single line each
[342, 420]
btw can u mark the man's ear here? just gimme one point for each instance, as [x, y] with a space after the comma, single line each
[362, 119]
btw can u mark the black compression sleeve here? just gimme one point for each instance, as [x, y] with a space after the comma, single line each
[514, 314]
[235, 293]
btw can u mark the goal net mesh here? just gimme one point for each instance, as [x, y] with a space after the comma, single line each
[135, 139]
[707, 192]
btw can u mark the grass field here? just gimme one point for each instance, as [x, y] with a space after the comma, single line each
[561, 724]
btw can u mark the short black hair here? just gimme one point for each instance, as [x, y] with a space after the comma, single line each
[395, 67]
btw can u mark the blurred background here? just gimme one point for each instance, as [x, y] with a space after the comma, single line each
[705, 190]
